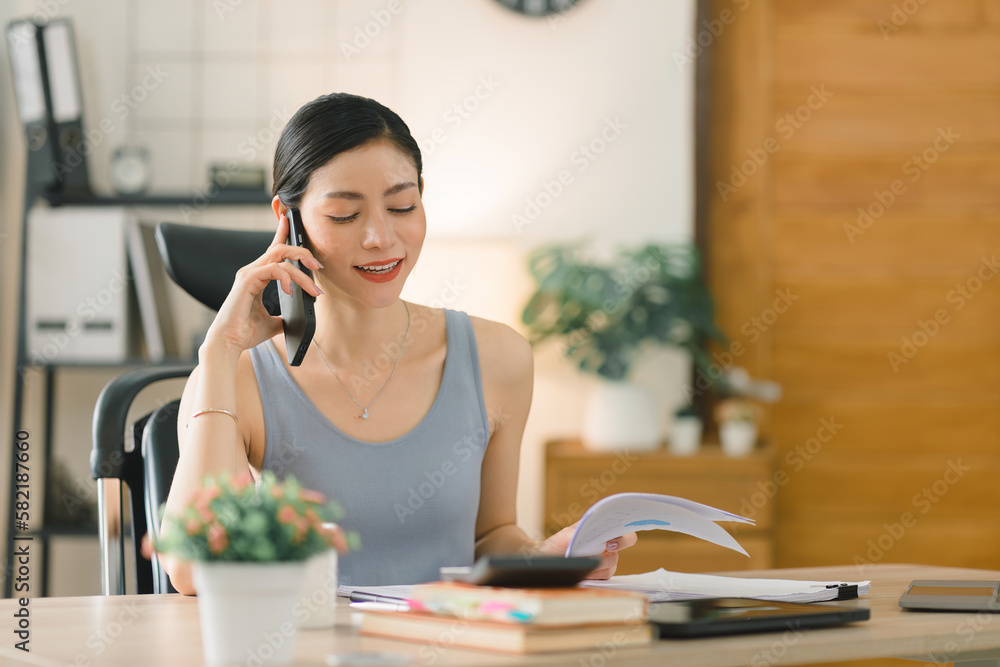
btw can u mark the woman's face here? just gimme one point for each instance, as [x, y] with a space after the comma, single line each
[365, 222]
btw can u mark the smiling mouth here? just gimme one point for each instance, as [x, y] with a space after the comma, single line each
[379, 269]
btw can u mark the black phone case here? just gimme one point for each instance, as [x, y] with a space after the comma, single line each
[298, 313]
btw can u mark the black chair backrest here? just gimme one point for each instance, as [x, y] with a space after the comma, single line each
[204, 260]
[159, 458]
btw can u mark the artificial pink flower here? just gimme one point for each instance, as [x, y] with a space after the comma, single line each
[192, 526]
[287, 514]
[310, 496]
[242, 481]
[217, 538]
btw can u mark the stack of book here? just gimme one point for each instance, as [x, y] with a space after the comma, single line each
[515, 620]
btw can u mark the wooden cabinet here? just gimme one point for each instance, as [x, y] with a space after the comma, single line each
[575, 478]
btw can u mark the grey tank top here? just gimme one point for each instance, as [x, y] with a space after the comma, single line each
[413, 500]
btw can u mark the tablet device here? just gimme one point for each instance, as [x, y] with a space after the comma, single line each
[951, 595]
[517, 571]
[729, 616]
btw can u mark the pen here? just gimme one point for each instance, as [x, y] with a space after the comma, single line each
[358, 596]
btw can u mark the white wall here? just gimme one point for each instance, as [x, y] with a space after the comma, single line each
[501, 105]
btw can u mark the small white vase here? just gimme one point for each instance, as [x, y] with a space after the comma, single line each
[685, 436]
[247, 611]
[620, 415]
[737, 437]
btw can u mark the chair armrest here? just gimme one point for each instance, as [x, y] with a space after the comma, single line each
[107, 458]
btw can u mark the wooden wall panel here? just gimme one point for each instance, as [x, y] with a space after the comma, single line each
[857, 123]
[859, 292]
[950, 179]
[813, 366]
[862, 285]
[946, 542]
[849, 303]
[905, 240]
[943, 485]
[908, 60]
[891, 425]
[864, 15]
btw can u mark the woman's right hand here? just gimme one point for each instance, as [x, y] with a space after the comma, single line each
[243, 322]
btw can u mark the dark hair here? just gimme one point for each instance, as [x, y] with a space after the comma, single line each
[326, 127]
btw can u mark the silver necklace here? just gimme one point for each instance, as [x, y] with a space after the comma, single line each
[364, 414]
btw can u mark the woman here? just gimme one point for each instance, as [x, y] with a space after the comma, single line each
[409, 416]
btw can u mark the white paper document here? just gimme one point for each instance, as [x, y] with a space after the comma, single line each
[624, 513]
[663, 586]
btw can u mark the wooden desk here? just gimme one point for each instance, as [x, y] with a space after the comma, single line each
[163, 630]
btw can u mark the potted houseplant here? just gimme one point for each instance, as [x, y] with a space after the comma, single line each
[737, 419]
[249, 545]
[606, 312]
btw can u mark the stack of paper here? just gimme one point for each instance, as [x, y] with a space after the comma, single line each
[624, 513]
[662, 586]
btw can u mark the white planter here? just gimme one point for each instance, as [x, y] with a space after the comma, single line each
[737, 437]
[246, 611]
[319, 594]
[620, 415]
[685, 436]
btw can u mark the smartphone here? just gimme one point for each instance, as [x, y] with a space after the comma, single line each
[523, 571]
[298, 311]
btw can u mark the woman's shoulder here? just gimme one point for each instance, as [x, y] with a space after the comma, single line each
[504, 354]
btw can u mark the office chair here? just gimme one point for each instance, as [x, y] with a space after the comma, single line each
[203, 261]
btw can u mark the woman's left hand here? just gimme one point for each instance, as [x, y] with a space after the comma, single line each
[557, 544]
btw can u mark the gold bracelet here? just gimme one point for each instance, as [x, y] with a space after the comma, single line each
[225, 412]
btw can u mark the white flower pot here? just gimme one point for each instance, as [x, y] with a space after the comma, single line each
[685, 436]
[620, 415]
[737, 437]
[319, 595]
[246, 611]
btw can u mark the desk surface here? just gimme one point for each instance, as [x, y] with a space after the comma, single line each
[163, 630]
